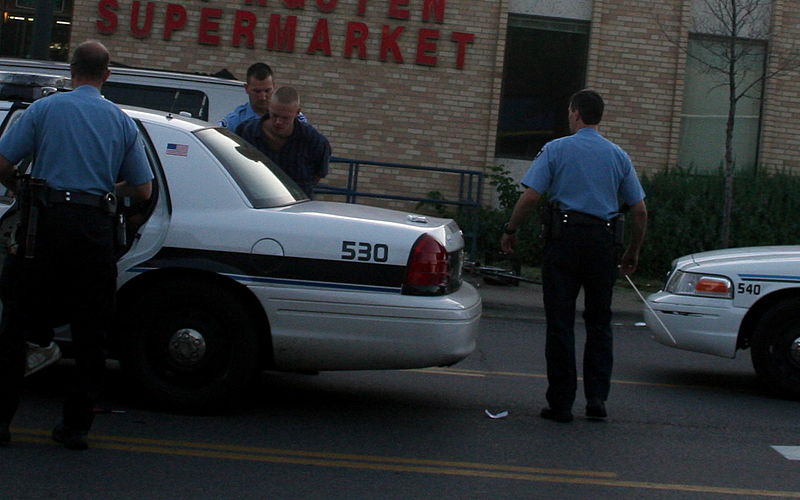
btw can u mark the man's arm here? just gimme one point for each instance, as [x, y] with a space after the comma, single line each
[525, 204]
[8, 174]
[630, 259]
[142, 192]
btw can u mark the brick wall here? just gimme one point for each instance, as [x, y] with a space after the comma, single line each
[780, 141]
[437, 115]
[635, 62]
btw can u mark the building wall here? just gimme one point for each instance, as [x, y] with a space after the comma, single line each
[780, 137]
[635, 61]
[414, 102]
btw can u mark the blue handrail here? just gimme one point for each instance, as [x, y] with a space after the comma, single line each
[470, 189]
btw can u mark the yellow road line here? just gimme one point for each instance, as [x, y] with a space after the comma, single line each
[391, 464]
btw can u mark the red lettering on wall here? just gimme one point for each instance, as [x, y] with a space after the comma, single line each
[461, 39]
[243, 26]
[105, 9]
[207, 32]
[295, 4]
[281, 37]
[356, 38]
[395, 11]
[433, 8]
[362, 8]
[326, 5]
[144, 31]
[174, 20]
[389, 43]
[426, 44]
[321, 39]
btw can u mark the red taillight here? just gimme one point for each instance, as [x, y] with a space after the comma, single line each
[428, 268]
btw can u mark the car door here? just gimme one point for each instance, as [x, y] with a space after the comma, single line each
[145, 223]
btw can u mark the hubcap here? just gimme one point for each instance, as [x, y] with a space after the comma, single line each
[794, 350]
[187, 347]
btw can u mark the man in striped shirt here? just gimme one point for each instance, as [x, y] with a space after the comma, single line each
[297, 147]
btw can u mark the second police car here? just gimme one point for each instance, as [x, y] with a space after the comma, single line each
[230, 270]
[722, 301]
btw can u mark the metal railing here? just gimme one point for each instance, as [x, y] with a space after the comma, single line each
[470, 190]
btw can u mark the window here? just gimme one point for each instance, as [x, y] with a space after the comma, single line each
[706, 103]
[264, 183]
[173, 100]
[545, 63]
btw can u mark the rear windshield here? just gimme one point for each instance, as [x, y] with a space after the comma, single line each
[261, 180]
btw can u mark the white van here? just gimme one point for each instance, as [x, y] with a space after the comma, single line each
[205, 97]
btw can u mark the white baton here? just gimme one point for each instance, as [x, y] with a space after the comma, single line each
[651, 310]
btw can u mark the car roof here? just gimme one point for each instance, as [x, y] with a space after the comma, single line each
[45, 66]
[165, 118]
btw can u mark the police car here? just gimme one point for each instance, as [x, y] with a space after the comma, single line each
[721, 301]
[230, 270]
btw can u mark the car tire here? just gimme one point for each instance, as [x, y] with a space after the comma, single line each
[775, 348]
[189, 346]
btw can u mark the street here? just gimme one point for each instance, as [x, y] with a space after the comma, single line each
[681, 425]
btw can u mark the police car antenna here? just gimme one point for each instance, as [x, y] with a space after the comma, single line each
[651, 310]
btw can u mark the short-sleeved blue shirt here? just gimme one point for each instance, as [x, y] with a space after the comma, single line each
[82, 142]
[304, 156]
[241, 114]
[585, 172]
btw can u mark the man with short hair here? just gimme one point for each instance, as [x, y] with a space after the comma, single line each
[585, 175]
[297, 147]
[259, 85]
[82, 145]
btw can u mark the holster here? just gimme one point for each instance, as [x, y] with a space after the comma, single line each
[31, 196]
[550, 215]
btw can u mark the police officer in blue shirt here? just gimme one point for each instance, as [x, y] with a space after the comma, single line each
[585, 176]
[82, 145]
[259, 85]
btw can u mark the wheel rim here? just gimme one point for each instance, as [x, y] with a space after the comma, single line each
[794, 351]
[187, 347]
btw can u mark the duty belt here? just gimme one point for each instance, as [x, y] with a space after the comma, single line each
[572, 218]
[106, 202]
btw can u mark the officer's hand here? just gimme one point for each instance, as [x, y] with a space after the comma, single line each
[507, 242]
[629, 262]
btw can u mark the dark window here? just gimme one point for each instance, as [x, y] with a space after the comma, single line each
[161, 98]
[545, 63]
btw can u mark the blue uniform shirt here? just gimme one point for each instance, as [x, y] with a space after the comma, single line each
[82, 143]
[243, 113]
[585, 172]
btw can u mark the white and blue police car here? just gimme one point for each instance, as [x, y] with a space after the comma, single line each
[230, 270]
[722, 301]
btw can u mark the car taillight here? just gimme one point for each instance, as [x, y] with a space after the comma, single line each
[428, 268]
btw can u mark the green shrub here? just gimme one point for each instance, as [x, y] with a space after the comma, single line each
[684, 216]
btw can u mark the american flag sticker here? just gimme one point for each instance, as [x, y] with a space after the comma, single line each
[177, 149]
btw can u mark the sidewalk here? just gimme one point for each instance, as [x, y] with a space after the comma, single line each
[525, 301]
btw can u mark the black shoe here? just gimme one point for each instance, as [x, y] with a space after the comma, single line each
[563, 416]
[596, 410]
[5, 435]
[71, 438]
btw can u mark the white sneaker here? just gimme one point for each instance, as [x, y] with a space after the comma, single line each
[40, 357]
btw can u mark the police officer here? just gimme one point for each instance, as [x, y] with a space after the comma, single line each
[585, 175]
[82, 144]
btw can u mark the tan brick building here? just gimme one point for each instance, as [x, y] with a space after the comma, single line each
[473, 83]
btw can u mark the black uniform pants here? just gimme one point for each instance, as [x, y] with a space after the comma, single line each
[583, 256]
[71, 279]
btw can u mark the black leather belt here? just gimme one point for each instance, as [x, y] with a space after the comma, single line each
[103, 202]
[581, 219]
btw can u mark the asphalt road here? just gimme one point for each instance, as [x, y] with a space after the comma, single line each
[681, 425]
